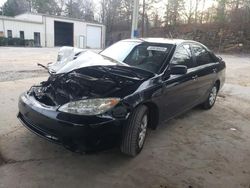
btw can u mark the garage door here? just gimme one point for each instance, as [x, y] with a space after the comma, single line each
[63, 33]
[94, 37]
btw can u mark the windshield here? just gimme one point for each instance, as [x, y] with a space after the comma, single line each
[146, 56]
[87, 59]
[120, 50]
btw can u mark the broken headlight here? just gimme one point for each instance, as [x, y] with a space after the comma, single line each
[89, 107]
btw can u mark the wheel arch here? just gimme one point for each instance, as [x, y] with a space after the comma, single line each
[153, 114]
[217, 83]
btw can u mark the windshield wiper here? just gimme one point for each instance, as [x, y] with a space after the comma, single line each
[43, 66]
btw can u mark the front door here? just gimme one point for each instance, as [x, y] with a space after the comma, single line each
[37, 39]
[179, 91]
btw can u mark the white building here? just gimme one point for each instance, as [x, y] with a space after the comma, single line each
[50, 31]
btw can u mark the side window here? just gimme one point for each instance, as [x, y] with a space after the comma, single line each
[202, 55]
[183, 56]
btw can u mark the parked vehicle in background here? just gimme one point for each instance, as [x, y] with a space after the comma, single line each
[112, 98]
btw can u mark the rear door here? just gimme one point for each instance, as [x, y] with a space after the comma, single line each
[206, 70]
[37, 39]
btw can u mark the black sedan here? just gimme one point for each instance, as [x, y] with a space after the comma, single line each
[112, 98]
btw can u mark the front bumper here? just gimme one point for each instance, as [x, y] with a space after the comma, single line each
[77, 133]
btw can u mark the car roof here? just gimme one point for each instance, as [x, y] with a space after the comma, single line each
[159, 40]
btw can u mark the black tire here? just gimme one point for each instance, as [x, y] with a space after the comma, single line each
[211, 99]
[131, 137]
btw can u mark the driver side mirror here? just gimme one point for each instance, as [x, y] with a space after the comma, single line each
[219, 57]
[178, 69]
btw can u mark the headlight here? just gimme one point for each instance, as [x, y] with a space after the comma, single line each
[89, 106]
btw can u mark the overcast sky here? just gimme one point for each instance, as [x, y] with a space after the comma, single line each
[2, 2]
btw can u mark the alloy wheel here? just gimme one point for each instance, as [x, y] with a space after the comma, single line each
[143, 130]
[212, 96]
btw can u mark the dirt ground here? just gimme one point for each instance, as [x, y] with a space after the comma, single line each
[198, 149]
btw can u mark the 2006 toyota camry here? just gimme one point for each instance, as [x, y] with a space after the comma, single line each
[111, 98]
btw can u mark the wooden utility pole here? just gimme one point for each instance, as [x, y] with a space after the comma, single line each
[134, 30]
[103, 11]
[143, 19]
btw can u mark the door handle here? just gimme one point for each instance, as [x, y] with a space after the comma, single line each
[214, 70]
[195, 77]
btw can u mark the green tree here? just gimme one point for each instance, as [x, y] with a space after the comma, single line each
[149, 13]
[221, 11]
[111, 17]
[73, 9]
[1, 10]
[46, 7]
[15, 7]
[173, 12]
[88, 10]
[80, 9]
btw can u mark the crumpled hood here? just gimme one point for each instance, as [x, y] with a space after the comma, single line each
[70, 58]
[65, 55]
[90, 76]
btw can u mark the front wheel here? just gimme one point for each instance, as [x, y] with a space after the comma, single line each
[209, 103]
[134, 132]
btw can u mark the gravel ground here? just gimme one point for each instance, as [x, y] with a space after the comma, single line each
[197, 149]
[17, 75]
[21, 63]
[1, 160]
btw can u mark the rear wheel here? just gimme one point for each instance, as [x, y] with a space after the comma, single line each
[209, 103]
[134, 132]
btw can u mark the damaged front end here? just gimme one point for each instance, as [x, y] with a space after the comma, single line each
[83, 103]
[82, 131]
[58, 90]
[85, 83]
[90, 75]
